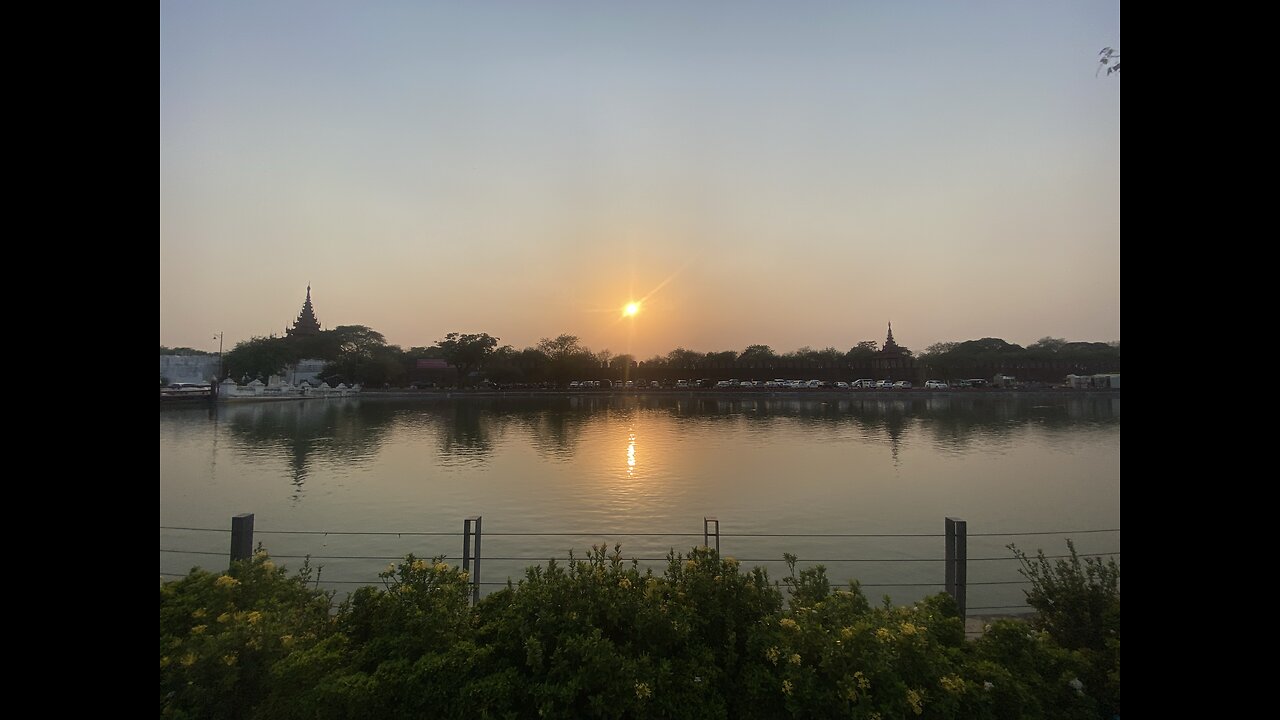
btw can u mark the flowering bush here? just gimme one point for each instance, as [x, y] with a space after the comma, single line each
[596, 638]
[220, 635]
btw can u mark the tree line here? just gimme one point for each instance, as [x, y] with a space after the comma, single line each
[357, 353]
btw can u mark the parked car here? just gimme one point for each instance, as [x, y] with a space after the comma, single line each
[864, 383]
[936, 385]
[902, 385]
[884, 385]
[842, 385]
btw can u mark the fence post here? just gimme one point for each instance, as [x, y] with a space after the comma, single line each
[470, 527]
[707, 533]
[241, 536]
[957, 566]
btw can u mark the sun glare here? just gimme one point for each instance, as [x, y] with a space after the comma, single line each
[631, 309]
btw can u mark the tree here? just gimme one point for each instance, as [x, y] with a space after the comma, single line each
[183, 351]
[683, 358]
[568, 357]
[864, 350]
[757, 355]
[939, 348]
[562, 347]
[1048, 344]
[467, 352]
[1108, 55]
[258, 357]
[722, 359]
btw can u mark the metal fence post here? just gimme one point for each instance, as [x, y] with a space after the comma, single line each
[470, 527]
[241, 536]
[708, 533]
[957, 566]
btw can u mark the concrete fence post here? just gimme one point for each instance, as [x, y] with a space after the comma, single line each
[956, 559]
[241, 536]
[471, 552]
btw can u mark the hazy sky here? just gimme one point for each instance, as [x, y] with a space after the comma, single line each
[779, 173]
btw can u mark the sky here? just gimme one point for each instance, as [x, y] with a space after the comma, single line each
[787, 174]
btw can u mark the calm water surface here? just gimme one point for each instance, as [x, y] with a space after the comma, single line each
[603, 468]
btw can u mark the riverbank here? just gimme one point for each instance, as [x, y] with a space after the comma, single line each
[823, 394]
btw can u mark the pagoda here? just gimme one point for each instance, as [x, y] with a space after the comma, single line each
[891, 349]
[306, 325]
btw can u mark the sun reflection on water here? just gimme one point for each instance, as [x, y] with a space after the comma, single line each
[631, 455]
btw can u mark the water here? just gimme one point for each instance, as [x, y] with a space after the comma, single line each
[605, 468]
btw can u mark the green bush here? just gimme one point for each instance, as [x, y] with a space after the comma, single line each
[1078, 605]
[598, 637]
[220, 635]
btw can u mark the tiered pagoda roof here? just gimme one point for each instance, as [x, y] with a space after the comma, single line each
[306, 324]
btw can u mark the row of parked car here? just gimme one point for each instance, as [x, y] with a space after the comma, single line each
[860, 384]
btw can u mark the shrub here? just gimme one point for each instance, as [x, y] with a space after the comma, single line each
[1078, 605]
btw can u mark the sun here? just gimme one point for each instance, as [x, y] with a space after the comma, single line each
[631, 309]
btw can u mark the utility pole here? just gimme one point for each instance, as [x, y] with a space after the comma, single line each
[218, 337]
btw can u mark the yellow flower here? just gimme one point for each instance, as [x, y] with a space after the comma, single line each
[199, 629]
[420, 565]
[442, 567]
[642, 691]
[952, 684]
[915, 701]
[883, 635]
[224, 618]
[286, 640]
[908, 629]
[772, 654]
[226, 581]
[624, 583]
[463, 575]
[391, 568]
[731, 561]
[789, 624]
[795, 658]
[188, 660]
[254, 617]
[229, 659]
[268, 565]
[787, 687]
[199, 613]
[863, 682]
[690, 564]
[847, 632]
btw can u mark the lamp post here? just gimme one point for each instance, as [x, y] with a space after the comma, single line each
[218, 337]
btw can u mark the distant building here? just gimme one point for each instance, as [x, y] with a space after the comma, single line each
[891, 349]
[306, 325]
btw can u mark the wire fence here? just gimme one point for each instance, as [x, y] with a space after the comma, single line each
[910, 572]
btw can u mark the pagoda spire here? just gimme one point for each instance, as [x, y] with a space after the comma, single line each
[888, 341]
[306, 324]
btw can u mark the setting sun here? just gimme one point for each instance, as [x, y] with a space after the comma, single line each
[631, 309]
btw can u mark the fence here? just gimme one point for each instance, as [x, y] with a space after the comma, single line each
[955, 556]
